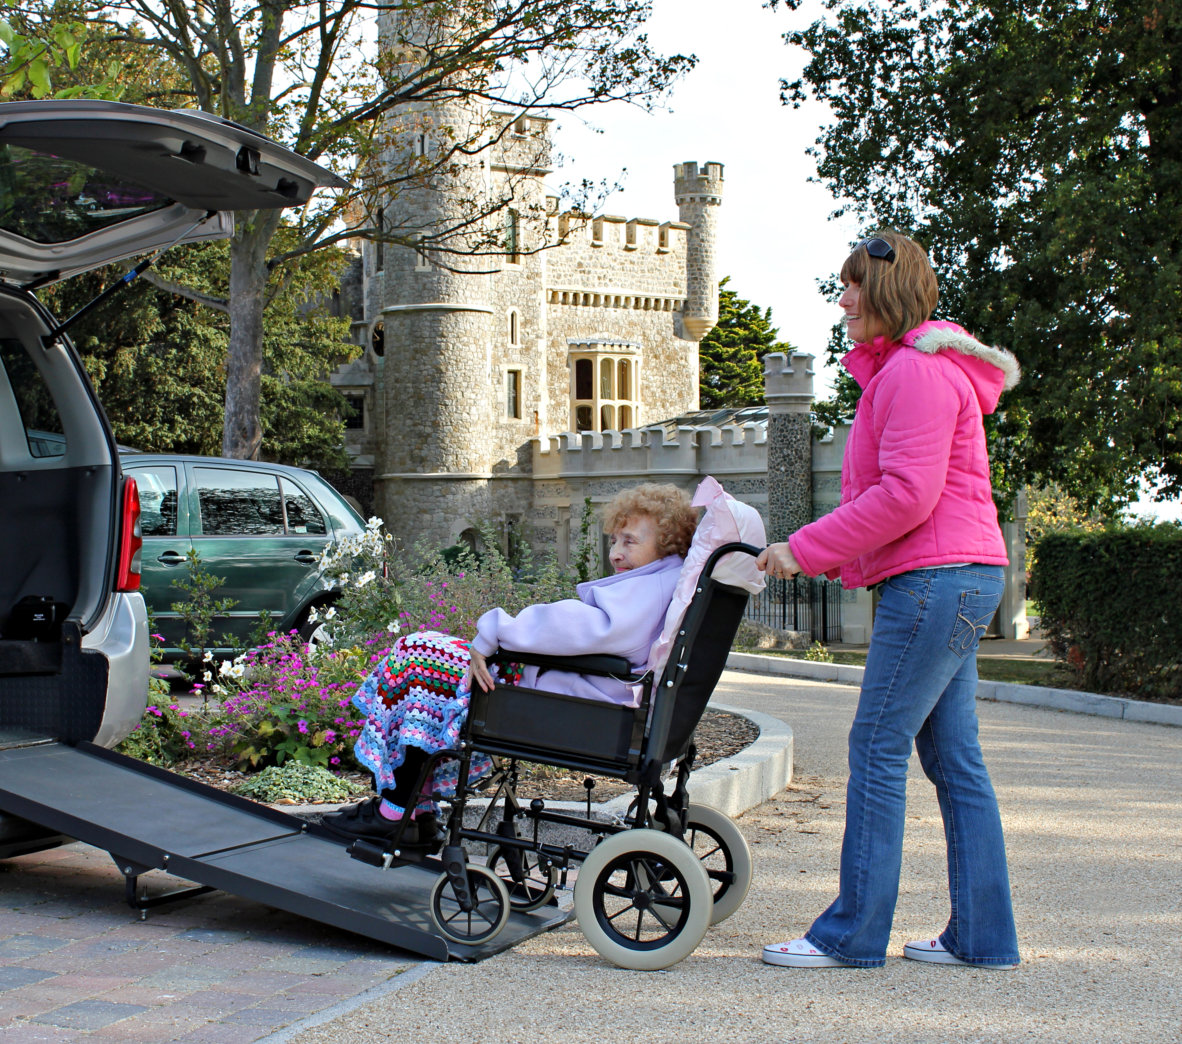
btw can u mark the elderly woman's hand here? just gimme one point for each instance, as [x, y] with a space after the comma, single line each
[479, 673]
[778, 560]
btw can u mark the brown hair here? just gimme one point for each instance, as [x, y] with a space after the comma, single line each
[668, 507]
[900, 293]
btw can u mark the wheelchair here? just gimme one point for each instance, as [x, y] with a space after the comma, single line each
[647, 885]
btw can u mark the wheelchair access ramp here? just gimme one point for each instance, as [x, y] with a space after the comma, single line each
[148, 818]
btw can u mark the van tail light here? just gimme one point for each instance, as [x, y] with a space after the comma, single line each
[131, 539]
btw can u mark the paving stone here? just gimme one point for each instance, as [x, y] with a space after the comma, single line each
[14, 976]
[88, 1014]
[31, 1033]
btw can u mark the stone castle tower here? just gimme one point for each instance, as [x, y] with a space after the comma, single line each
[526, 323]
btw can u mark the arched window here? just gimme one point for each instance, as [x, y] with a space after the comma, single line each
[377, 339]
[623, 384]
[625, 417]
[514, 332]
[607, 369]
[607, 418]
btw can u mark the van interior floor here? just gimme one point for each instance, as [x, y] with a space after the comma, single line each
[150, 819]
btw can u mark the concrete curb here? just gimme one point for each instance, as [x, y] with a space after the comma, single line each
[735, 784]
[1002, 692]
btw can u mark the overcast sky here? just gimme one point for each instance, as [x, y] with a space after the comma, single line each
[776, 239]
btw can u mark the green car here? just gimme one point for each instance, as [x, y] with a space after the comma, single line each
[259, 527]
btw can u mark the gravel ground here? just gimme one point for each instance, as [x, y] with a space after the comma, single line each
[1093, 814]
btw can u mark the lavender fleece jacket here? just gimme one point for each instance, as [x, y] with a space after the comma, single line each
[621, 615]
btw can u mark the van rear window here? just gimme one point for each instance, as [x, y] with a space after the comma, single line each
[48, 199]
[34, 404]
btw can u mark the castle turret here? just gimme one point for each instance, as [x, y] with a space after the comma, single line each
[699, 194]
[434, 462]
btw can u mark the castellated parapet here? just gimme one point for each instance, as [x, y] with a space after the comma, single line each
[699, 194]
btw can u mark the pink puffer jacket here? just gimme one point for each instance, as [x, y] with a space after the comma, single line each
[915, 487]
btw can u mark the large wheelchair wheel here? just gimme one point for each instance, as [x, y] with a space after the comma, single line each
[529, 880]
[490, 907]
[722, 850]
[643, 899]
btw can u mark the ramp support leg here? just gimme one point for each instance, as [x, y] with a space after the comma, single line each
[131, 872]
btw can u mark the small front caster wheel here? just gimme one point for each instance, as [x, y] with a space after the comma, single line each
[530, 884]
[489, 907]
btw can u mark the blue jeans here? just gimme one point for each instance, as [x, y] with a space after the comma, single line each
[920, 685]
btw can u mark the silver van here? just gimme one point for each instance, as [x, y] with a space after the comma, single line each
[82, 184]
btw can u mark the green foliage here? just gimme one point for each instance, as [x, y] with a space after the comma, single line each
[158, 360]
[1109, 606]
[287, 702]
[583, 553]
[296, 782]
[1050, 510]
[818, 653]
[730, 355]
[165, 736]
[198, 608]
[1035, 148]
[41, 53]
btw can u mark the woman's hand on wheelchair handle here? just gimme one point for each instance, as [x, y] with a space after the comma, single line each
[778, 560]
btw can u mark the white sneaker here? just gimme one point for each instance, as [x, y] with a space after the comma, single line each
[800, 953]
[932, 951]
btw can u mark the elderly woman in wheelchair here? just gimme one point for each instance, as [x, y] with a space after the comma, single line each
[569, 683]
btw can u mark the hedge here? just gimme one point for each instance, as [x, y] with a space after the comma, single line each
[1111, 607]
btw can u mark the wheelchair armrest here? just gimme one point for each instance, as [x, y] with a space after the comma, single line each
[597, 663]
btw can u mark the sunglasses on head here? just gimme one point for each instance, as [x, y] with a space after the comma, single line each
[879, 248]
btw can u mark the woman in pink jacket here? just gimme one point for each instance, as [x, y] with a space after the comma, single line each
[917, 520]
[415, 701]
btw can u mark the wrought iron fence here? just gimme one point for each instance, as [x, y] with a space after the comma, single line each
[800, 604]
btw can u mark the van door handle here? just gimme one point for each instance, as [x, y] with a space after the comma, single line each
[307, 557]
[171, 558]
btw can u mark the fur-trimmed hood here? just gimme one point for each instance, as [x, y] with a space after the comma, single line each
[991, 370]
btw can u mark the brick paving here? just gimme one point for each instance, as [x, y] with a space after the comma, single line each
[76, 963]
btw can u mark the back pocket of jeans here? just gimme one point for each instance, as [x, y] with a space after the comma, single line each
[973, 616]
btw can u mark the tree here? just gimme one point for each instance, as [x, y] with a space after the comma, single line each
[1035, 148]
[37, 47]
[731, 355]
[158, 360]
[307, 74]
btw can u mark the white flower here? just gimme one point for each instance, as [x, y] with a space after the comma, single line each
[217, 690]
[393, 627]
[366, 578]
[332, 611]
[207, 676]
[226, 668]
[208, 658]
[373, 523]
[313, 615]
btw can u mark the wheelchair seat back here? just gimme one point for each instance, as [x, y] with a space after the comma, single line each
[607, 738]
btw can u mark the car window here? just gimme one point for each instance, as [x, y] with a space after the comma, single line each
[34, 403]
[341, 517]
[237, 502]
[158, 491]
[49, 199]
[302, 515]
